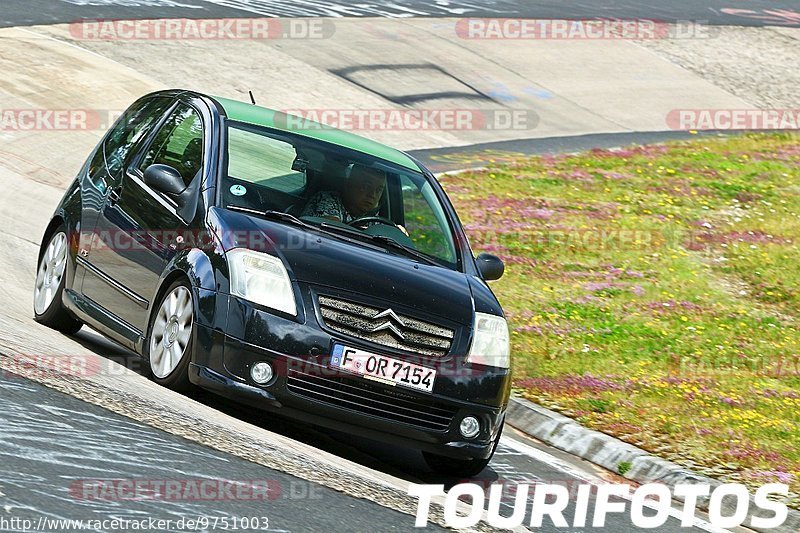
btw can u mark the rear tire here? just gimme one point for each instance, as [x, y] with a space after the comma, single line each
[48, 307]
[168, 347]
[460, 468]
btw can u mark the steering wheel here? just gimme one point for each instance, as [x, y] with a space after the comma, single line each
[363, 220]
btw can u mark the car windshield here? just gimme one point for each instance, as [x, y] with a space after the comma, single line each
[337, 190]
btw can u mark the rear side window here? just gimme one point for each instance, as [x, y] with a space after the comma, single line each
[178, 143]
[129, 130]
[263, 161]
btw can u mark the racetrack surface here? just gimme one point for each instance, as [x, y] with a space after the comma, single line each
[478, 155]
[727, 12]
[65, 459]
[615, 90]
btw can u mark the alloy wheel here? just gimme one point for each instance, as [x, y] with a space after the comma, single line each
[171, 332]
[51, 271]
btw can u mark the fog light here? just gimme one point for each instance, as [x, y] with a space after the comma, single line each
[261, 373]
[470, 427]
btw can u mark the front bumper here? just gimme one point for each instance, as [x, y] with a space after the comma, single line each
[306, 388]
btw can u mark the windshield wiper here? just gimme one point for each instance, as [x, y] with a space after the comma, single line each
[279, 215]
[331, 229]
[403, 248]
[287, 217]
[382, 239]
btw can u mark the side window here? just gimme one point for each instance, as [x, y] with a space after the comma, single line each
[179, 143]
[129, 130]
[425, 220]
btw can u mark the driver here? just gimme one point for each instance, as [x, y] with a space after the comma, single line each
[359, 197]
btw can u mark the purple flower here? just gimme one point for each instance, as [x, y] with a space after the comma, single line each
[776, 475]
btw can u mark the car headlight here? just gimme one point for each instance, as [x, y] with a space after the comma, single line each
[490, 343]
[262, 279]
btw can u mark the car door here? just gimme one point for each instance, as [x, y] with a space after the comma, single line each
[135, 235]
[103, 171]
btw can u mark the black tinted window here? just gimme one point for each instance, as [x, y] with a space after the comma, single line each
[129, 130]
[179, 143]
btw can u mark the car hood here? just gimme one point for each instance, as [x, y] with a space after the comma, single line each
[320, 260]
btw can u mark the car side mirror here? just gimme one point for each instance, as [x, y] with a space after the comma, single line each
[490, 266]
[165, 179]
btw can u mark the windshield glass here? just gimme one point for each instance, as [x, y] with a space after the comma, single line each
[340, 189]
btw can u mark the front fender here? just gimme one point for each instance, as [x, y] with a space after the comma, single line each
[201, 268]
[68, 213]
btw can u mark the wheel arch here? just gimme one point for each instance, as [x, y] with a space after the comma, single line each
[195, 267]
[54, 223]
[166, 283]
[73, 235]
[68, 214]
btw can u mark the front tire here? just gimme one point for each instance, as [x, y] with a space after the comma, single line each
[48, 307]
[169, 341]
[460, 468]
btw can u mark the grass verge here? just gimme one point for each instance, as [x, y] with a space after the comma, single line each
[652, 293]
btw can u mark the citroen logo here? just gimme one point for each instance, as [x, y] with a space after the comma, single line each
[389, 324]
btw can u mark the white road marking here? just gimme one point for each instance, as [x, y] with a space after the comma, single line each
[586, 477]
[132, 3]
[374, 8]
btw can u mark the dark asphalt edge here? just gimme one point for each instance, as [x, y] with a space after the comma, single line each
[61, 14]
[217, 437]
[500, 151]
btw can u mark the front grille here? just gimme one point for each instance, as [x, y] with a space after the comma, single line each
[361, 321]
[356, 394]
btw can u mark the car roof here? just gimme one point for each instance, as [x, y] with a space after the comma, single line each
[262, 116]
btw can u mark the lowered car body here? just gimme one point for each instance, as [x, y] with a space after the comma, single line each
[187, 237]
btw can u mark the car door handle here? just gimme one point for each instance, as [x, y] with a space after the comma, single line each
[114, 196]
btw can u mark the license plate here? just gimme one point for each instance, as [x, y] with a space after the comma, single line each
[381, 368]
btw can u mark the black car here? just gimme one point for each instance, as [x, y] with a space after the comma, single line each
[288, 265]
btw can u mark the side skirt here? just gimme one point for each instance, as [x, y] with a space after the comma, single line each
[103, 320]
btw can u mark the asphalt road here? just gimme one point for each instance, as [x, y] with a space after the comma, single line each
[728, 12]
[478, 155]
[54, 449]
[60, 458]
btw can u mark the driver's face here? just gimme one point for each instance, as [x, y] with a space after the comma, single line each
[363, 190]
